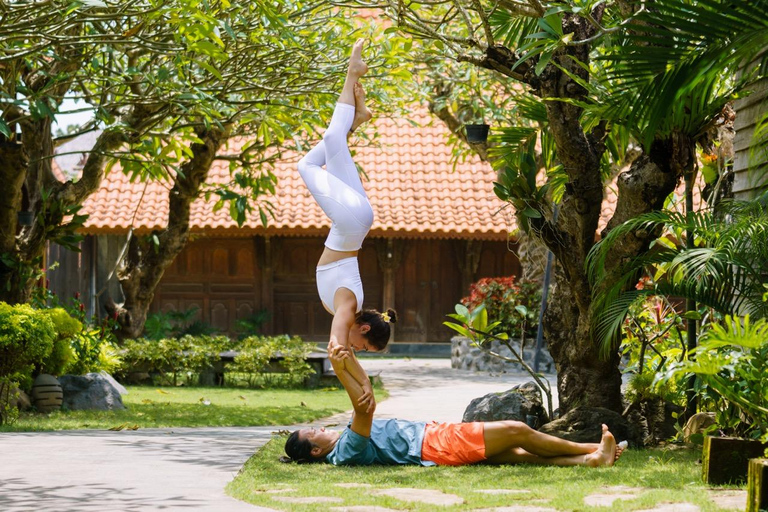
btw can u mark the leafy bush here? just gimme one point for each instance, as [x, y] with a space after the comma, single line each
[188, 356]
[26, 337]
[654, 336]
[175, 324]
[171, 357]
[256, 351]
[731, 362]
[502, 297]
[93, 347]
[62, 354]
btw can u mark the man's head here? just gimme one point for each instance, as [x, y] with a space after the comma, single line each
[310, 444]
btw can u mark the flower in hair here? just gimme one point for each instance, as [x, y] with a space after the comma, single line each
[385, 317]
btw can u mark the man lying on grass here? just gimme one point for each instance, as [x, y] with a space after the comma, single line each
[367, 441]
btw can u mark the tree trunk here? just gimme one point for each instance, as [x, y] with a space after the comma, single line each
[145, 262]
[584, 376]
[12, 173]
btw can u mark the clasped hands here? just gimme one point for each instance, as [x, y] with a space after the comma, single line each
[338, 353]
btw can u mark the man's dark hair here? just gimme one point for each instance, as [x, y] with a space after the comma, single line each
[379, 333]
[299, 450]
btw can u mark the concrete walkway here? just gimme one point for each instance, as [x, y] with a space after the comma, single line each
[187, 469]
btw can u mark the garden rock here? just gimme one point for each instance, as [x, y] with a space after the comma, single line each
[20, 399]
[90, 391]
[583, 425]
[697, 424]
[119, 387]
[521, 403]
[466, 356]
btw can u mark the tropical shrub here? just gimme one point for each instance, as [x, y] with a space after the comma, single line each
[175, 324]
[654, 337]
[62, 354]
[501, 297]
[26, 337]
[731, 363]
[173, 357]
[188, 356]
[92, 348]
[255, 353]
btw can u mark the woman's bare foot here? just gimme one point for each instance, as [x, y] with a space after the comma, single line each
[362, 114]
[357, 67]
[605, 454]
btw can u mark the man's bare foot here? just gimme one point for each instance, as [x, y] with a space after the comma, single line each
[362, 114]
[357, 67]
[605, 454]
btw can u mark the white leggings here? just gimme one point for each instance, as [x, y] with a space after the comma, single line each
[337, 188]
[339, 192]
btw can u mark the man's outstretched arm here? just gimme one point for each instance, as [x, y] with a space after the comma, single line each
[363, 401]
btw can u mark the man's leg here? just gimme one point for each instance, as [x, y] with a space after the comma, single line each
[509, 442]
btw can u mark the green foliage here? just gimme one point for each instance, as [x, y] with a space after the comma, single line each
[252, 324]
[95, 350]
[62, 354]
[502, 299]
[255, 353]
[26, 337]
[725, 270]
[732, 362]
[173, 357]
[189, 356]
[176, 324]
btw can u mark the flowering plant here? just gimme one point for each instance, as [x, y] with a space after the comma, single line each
[502, 298]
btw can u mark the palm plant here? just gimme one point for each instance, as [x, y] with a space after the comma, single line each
[726, 269]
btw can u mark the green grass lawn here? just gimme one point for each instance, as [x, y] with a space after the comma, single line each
[150, 407]
[664, 476]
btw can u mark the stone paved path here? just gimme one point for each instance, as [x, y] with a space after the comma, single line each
[187, 469]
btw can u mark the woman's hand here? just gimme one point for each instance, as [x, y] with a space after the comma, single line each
[367, 400]
[336, 351]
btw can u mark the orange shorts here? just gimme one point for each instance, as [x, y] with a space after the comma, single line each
[453, 444]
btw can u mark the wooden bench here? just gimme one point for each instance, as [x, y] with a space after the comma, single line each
[322, 370]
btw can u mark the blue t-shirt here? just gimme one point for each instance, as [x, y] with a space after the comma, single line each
[391, 442]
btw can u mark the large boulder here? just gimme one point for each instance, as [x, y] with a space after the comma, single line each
[583, 425]
[90, 391]
[521, 403]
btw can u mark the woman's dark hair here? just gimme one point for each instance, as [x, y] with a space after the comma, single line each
[378, 335]
[298, 450]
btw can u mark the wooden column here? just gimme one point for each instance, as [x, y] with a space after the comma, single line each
[389, 253]
[467, 254]
[265, 257]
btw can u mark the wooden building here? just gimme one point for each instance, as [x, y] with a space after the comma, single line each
[750, 164]
[436, 230]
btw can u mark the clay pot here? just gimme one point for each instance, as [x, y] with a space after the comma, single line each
[47, 394]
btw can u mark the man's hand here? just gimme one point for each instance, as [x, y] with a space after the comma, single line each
[367, 400]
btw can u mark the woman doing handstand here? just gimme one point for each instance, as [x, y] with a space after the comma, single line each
[339, 192]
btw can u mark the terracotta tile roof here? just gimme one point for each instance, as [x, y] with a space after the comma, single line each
[413, 189]
[412, 186]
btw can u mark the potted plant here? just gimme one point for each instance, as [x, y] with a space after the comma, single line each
[732, 361]
[477, 133]
[26, 337]
[471, 116]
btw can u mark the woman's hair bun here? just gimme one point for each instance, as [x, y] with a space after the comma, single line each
[392, 315]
